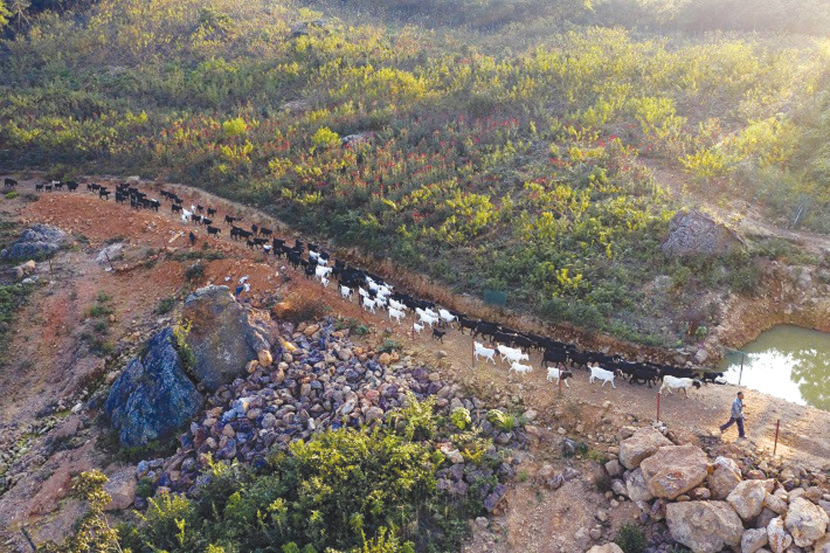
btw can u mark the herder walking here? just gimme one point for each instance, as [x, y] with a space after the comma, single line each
[737, 415]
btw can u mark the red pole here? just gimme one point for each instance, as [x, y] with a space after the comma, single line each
[777, 426]
[560, 380]
[658, 406]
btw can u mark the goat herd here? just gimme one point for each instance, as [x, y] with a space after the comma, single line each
[512, 345]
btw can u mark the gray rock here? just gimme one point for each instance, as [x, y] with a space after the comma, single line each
[121, 488]
[636, 486]
[778, 538]
[693, 232]
[152, 398]
[223, 336]
[37, 242]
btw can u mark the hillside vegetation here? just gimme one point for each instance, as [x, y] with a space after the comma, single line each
[512, 153]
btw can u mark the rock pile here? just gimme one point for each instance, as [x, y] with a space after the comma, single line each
[709, 507]
[317, 379]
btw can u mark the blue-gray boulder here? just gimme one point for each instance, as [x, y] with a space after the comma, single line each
[37, 242]
[153, 397]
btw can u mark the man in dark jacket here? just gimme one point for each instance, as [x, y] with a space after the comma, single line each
[736, 416]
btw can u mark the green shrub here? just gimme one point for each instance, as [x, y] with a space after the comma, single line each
[186, 354]
[10, 195]
[195, 272]
[165, 306]
[745, 280]
[631, 539]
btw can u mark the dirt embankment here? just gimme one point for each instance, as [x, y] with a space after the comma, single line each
[53, 362]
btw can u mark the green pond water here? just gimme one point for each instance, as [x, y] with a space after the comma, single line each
[788, 362]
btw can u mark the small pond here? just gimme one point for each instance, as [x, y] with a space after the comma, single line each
[788, 362]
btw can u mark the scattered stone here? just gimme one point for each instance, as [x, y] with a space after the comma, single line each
[753, 540]
[607, 548]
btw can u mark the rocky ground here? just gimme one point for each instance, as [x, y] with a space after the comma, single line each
[53, 368]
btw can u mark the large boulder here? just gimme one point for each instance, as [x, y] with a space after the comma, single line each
[725, 475]
[36, 242]
[643, 443]
[693, 232]
[152, 397]
[704, 526]
[673, 470]
[121, 486]
[223, 336]
[748, 497]
[806, 521]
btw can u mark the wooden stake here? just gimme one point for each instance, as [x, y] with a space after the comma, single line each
[777, 427]
[658, 406]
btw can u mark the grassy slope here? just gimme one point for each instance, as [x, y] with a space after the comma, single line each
[514, 164]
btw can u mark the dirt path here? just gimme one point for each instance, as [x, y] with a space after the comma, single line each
[805, 431]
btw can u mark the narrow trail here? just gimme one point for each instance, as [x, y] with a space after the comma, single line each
[805, 434]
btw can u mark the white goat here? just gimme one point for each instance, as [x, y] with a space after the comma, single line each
[363, 293]
[481, 351]
[324, 281]
[397, 305]
[447, 316]
[426, 318]
[369, 303]
[674, 383]
[322, 272]
[555, 373]
[396, 314]
[417, 327]
[512, 355]
[519, 368]
[345, 292]
[602, 374]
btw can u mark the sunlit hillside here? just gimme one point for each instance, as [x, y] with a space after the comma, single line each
[515, 152]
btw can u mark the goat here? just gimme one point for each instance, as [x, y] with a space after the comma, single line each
[446, 316]
[231, 220]
[324, 281]
[9, 183]
[175, 208]
[104, 193]
[213, 230]
[192, 238]
[397, 305]
[322, 272]
[438, 335]
[396, 314]
[265, 231]
[598, 373]
[519, 368]
[211, 212]
[417, 327]
[369, 303]
[345, 292]
[425, 318]
[557, 374]
[38, 187]
[512, 355]
[673, 383]
[479, 350]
